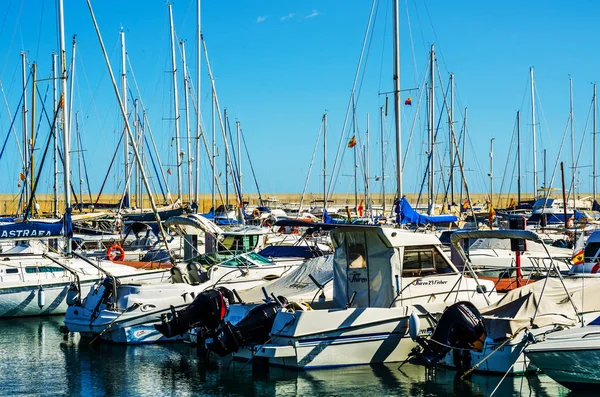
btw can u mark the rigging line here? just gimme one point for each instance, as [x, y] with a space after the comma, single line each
[12, 120]
[385, 26]
[37, 49]
[59, 150]
[356, 76]
[160, 185]
[234, 169]
[437, 129]
[164, 178]
[92, 96]
[412, 44]
[581, 145]
[562, 142]
[11, 127]
[12, 38]
[512, 139]
[355, 101]
[111, 164]
[108, 172]
[437, 41]
[414, 122]
[41, 167]
[425, 49]
[251, 166]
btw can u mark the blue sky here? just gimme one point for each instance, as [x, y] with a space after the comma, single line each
[279, 65]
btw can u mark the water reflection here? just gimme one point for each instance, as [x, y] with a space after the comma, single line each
[38, 360]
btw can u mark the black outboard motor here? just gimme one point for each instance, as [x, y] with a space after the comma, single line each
[207, 310]
[460, 326]
[254, 328]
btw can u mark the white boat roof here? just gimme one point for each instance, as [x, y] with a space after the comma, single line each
[396, 237]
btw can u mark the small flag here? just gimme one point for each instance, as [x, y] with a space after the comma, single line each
[22, 176]
[408, 101]
[360, 208]
[578, 258]
[352, 142]
[61, 103]
[169, 171]
[465, 205]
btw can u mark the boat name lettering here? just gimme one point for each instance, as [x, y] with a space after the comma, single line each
[430, 282]
[357, 278]
[25, 233]
[299, 285]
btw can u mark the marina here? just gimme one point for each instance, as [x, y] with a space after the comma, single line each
[147, 246]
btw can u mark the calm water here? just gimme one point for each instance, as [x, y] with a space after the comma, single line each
[35, 359]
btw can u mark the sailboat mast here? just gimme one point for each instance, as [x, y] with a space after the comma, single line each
[324, 164]
[518, 156]
[79, 161]
[186, 78]
[450, 145]
[136, 128]
[572, 141]
[225, 117]
[32, 139]
[175, 102]
[214, 152]
[535, 180]
[491, 171]
[381, 116]
[464, 139]
[368, 170]
[25, 128]
[397, 100]
[126, 201]
[198, 98]
[55, 104]
[431, 130]
[239, 161]
[65, 117]
[594, 149]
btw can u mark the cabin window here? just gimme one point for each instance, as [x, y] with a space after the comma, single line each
[43, 269]
[423, 261]
[591, 250]
[240, 243]
[12, 271]
[357, 257]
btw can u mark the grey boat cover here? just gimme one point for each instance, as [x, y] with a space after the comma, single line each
[296, 285]
[516, 310]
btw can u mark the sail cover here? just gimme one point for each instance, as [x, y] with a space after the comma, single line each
[29, 230]
[407, 214]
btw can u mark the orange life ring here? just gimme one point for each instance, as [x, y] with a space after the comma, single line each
[119, 255]
[596, 268]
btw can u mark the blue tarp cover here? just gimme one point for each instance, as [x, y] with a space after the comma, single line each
[290, 251]
[407, 214]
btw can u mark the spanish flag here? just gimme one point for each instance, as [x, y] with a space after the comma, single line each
[352, 142]
[578, 258]
[408, 101]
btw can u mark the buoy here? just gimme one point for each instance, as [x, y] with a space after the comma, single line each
[115, 253]
[41, 297]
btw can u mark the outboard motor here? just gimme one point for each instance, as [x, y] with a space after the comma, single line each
[460, 326]
[254, 328]
[207, 310]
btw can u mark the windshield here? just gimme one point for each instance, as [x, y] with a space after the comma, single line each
[259, 258]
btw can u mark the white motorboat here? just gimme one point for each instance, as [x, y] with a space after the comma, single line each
[381, 276]
[570, 356]
[127, 313]
[39, 284]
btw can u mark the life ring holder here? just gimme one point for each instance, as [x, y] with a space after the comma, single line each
[256, 213]
[119, 255]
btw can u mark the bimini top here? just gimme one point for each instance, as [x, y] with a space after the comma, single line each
[392, 237]
[506, 233]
